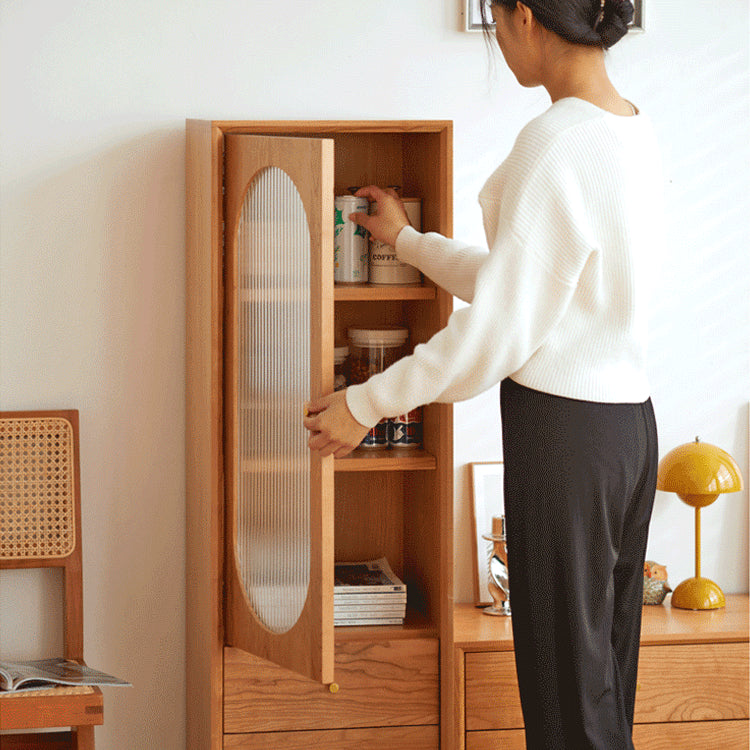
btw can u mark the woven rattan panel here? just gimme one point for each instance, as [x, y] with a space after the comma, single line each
[37, 488]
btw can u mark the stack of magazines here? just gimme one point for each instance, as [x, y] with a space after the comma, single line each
[368, 593]
[46, 673]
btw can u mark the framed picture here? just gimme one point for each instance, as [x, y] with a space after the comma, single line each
[473, 15]
[487, 501]
[637, 23]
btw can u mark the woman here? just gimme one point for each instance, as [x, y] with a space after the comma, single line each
[557, 315]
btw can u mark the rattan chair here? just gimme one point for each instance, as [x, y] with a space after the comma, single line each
[40, 527]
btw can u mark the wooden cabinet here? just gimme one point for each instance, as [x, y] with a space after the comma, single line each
[263, 317]
[692, 680]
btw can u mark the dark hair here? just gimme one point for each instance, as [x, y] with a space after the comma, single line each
[597, 23]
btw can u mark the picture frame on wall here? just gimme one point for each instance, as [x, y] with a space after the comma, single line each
[473, 15]
[487, 501]
[637, 23]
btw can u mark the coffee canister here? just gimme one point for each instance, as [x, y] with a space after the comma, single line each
[385, 267]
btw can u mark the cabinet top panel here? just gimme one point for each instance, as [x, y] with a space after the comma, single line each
[332, 126]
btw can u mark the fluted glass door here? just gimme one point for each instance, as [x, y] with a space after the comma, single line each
[278, 331]
[273, 481]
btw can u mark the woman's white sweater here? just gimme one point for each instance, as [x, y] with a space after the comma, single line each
[573, 221]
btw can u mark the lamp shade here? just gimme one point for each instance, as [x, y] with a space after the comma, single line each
[698, 472]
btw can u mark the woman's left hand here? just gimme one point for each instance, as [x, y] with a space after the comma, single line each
[333, 428]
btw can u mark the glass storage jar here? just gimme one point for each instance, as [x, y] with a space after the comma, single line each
[372, 350]
[340, 353]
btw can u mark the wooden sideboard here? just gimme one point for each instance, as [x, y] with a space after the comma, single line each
[692, 680]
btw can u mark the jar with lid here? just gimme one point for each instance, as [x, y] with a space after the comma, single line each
[372, 350]
[340, 353]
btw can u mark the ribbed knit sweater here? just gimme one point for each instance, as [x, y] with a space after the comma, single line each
[573, 222]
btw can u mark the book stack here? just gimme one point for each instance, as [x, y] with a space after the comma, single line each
[368, 593]
[42, 674]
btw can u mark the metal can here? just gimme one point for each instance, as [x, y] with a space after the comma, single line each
[377, 437]
[385, 267]
[350, 252]
[406, 430]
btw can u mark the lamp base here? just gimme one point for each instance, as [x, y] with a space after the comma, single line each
[698, 593]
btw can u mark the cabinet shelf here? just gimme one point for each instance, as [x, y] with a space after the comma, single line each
[362, 459]
[392, 459]
[416, 625]
[373, 293]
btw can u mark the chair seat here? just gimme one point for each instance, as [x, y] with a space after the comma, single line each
[53, 707]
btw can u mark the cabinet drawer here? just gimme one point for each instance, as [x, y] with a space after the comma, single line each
[384, 683]
[727, 735]
[375, 738]
[695, 682]
[492, 698]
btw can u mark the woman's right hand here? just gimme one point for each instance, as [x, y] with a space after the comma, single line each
[390, 217]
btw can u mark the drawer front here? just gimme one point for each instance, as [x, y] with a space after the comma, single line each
[385, 683]
[696, 682]
[509, 739]
[375, 738]
[727, 735]
[492, 698]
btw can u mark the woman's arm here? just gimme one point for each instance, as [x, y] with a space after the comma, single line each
[450, 264]
[517, 302]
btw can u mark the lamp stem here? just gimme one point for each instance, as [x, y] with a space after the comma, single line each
[697, 542]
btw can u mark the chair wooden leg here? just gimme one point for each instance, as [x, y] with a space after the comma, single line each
[84, 738]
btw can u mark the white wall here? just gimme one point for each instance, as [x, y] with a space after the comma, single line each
[94, 97]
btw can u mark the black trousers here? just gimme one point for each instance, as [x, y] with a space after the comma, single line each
[580, 479]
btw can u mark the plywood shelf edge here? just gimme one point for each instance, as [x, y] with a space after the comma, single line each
[408, 459]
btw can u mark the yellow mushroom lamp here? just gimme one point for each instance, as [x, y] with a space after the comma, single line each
[698, 473]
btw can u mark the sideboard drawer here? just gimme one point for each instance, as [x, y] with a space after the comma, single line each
[374, 738]
[694, 682]
[492, 698]
[385, 683]
[727, 735]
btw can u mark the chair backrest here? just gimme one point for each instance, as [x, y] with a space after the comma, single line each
[40, 504]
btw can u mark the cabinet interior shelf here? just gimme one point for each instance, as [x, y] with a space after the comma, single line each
[361, 459]
[373, 293]
[416, 625]
[392, 459]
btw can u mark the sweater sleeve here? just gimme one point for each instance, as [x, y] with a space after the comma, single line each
[517, 301]
[522, 290]
[451, 264]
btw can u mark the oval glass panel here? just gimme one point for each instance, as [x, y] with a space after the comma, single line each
[272, 543]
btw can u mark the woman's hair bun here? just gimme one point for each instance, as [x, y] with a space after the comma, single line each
[596, 23]
[613, 22]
